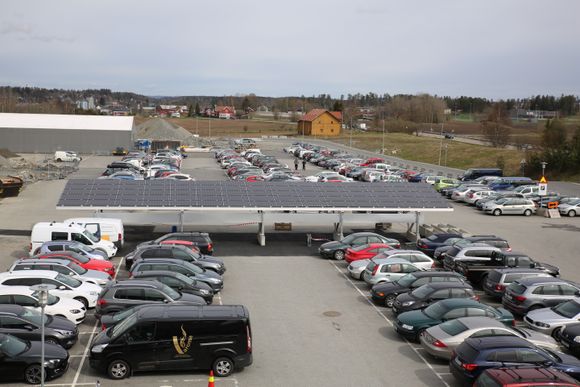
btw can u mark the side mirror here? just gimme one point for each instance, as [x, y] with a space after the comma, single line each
[62, 287]
[165, 301]
[29, 327]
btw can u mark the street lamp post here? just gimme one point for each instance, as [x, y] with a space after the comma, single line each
[543, 167]
[42, 290]
[383, 148]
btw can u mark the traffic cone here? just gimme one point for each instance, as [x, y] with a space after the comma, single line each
[210, 382]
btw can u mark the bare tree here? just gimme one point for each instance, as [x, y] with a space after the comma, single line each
[496, 128]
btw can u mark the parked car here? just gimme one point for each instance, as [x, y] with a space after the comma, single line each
[121, 295]
[411, 324]
[385, 293]
[75, 247]
[69, 156]
[471, 252]
[180, 266]
[570, 209]
[26, 323]
[491, 240]
[62, 266]
[20, 359]
[201, 239]
[441, 340]
[416, 257]
[552, 320]
[337, 249]
[177, 281]
[176, 252]
[427, 294]
[429, 244]
[533, 376]
[365, 251]
[65, 286]
[82, 261]
[527, 294]
[499, 279]
[357, 268]
[389, 269]
[475, 355]
[56, 306]
[569, 337]
[510, 206]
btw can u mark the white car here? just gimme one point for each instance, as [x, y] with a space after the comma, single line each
[472, 196]
[571, 209]
[356, 268]
[178, 176]
[316, 178]
[56, 306]
[66, 286]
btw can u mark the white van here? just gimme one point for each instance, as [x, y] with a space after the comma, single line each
[66, 156]
[109, 229]
[55, 231]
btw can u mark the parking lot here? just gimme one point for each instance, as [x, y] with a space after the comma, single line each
[312, 325]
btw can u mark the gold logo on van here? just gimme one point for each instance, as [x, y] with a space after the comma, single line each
[183, 343]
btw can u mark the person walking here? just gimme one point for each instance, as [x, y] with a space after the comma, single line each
[303, 165]
[296, 163]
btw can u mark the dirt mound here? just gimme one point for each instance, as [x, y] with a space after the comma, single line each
[5, 153]
[160, 129]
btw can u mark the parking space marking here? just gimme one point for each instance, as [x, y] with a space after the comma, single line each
[219, 298]
[380, 313]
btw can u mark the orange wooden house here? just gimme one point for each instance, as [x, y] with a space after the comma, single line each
[320, 122]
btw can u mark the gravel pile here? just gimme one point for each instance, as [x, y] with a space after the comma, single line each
[159, 129]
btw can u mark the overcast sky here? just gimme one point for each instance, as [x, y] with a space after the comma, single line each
[490, 48]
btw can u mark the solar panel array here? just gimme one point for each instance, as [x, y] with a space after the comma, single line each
[111, 193]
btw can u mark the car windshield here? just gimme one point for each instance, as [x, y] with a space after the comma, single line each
[76, 268]
[453, 327]
[568, 309]
[174, 295]
[347, 240]
[574, 202]
[406, 280]
[12, 346]
[185, 279]
[65, 279]
[90, 236]
[451, 241]
[119, 316]
[122, 327]
[422, 291]
[435, 311]
[462, 243]
[193, 268]
[34, 316]
[501, 200]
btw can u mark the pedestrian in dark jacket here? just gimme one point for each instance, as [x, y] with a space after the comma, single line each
[303, 165]
[296, 163]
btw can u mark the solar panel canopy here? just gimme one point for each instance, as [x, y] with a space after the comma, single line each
[192, 195]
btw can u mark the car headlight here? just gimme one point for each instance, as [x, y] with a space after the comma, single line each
[542, 325]
[408, 327]
[63, 332]
[577, 339]
[51, 363]
[99, 348]
[408, 303]
[75, 311]
[203, 291]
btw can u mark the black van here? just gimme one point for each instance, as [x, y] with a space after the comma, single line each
[175, 337]
[474, 173]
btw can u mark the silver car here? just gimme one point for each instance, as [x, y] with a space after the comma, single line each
[510, 206]
[570, 209]
[441, 340]
[356, 268]
[551, 320]
[381, 270]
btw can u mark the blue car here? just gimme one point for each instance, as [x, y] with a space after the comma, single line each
[417, 178]
[475, 355]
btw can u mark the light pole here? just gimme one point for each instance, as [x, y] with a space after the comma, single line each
[543, 167]
[42, 290]
[446, 146]
[383, 148]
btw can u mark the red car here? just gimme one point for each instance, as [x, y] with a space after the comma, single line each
[365, 251]
[178, 242]
[82, 261]
[524, 377]
[371, 161]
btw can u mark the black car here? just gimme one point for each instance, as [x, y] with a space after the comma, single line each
[26, 323]
[337, 249]
[386, 293]
[179, 282]
[178, 252]
[199, 239]
[20, 359]
[429, 244]
[427, 294]
[569, 337]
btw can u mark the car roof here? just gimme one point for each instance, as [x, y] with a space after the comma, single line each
[177, 311]
[154, 273]
[30, 273]
[11, 309]
[381, 261]
[481, 343]
[480, 322]
[63, 262]
[448, 285]
[434, 273]
[459, 302]
[16, 290]
[540, 280]
[52, 243]
[135, 283]
[521, 375]
[399, 251]
[173, 261]
[505, 270]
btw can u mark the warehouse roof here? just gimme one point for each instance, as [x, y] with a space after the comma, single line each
[65, 121]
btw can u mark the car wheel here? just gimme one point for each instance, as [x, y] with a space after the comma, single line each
[118, 369]
[223, 366]
[339, 255]
[59, 160]
[497, 212]
[51, 340]
[527, 212]
[556, 332]
[419, 332]
[83, 301]
[32, 374]
[390, 300]
[571, 213]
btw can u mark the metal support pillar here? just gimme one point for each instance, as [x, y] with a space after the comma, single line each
[417, 235]
[338, 231]
[261, 233]
[181, 221]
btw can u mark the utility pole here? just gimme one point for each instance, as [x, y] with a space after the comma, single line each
[383, 148]
[441, 144]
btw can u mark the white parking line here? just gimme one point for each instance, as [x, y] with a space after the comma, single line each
[84, 356]
[380, 313]
[219, 298]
